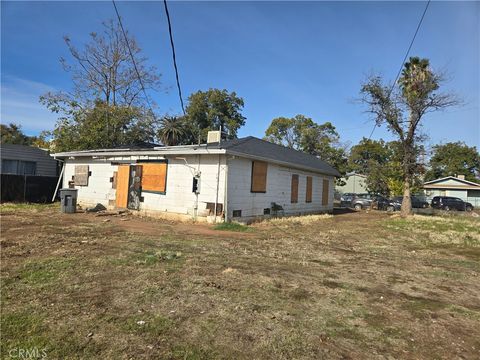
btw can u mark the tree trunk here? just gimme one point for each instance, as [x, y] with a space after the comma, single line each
[407, 200]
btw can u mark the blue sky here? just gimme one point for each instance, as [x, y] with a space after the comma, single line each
[283, 58]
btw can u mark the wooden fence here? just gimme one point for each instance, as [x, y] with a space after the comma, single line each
[20, 188]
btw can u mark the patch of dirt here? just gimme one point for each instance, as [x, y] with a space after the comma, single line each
[349, 286]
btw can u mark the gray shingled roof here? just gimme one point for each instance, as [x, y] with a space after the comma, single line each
[255, 148]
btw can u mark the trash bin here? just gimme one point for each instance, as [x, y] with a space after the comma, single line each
[68, 200]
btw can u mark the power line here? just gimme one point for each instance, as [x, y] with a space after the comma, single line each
[131, 56]
[404, 59]
[173, 55]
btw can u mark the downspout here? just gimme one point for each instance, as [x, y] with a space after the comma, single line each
[60, 178]
[218, 185]
[195, 210]
[225, 191]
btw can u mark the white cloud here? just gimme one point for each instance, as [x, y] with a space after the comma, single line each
[20, 104]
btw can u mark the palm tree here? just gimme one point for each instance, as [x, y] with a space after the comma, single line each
[171, 131]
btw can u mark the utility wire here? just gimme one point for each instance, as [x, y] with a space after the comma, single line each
[404, 59]
[173, 55]
[133, 59]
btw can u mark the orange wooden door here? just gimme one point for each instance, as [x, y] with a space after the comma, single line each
[123, 177]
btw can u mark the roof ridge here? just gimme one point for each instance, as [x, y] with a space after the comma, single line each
[239, 141]
[289, 148]
[454, 178]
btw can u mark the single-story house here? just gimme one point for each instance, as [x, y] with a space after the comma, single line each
[354, 183]
[26, 160]
[28, 174]
[240, 179]
[453, 186]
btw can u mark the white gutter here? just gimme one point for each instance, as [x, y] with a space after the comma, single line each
[159, 152]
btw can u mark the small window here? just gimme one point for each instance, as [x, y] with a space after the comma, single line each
[237, 213]
[294, 189]
[9, 166]
[28, 167]
[308, 194]
[19, 167]
[266, 211]
[259, 177]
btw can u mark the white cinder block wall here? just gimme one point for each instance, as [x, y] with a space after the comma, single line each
[178, 198]
[278, 190]
[99, 189]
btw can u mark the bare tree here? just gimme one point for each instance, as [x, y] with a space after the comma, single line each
[104, 70]
[107, 104]
[402, 108]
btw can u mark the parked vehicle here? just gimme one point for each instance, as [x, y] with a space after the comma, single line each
[361, 201]
[450, 203]
[346, 199]
[416, 202]
[382, 203]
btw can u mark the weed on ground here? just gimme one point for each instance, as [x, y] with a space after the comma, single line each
[358, 285]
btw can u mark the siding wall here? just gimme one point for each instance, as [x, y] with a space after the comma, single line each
[278, 190]
[353, 184]
[178, 198]
[471, 196]
[46, 165]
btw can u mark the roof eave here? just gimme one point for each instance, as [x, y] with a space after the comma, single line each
[159, 152]
[284, 163]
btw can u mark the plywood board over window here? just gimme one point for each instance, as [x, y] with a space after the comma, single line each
[123, 179]
[259, 177]
[154, 177]
[325, 192]
[294, 189]
[81, 175]
[308, 194]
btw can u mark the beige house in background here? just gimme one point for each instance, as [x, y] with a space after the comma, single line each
[453, 186]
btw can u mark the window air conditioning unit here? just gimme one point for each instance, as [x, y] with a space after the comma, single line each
[214, 136]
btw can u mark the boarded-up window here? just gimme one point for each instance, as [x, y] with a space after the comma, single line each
[325, 192]
[154, 177]
[81, 175]
[308, 195]
[259, 177]
[294, 191]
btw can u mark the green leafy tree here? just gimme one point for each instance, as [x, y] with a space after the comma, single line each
[370, 158]
[302, 133]
[402, 108]
[214, 109]
[103, 126]
[13, 134]
[381, 162]
[106, 101]
[454, 158]
[175, 130]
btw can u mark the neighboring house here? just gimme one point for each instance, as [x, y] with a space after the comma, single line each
[239, 179]
[26, 160]
[354, 183]
[28, 174]
[453, 186]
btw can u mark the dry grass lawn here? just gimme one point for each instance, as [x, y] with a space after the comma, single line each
[349, 286]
